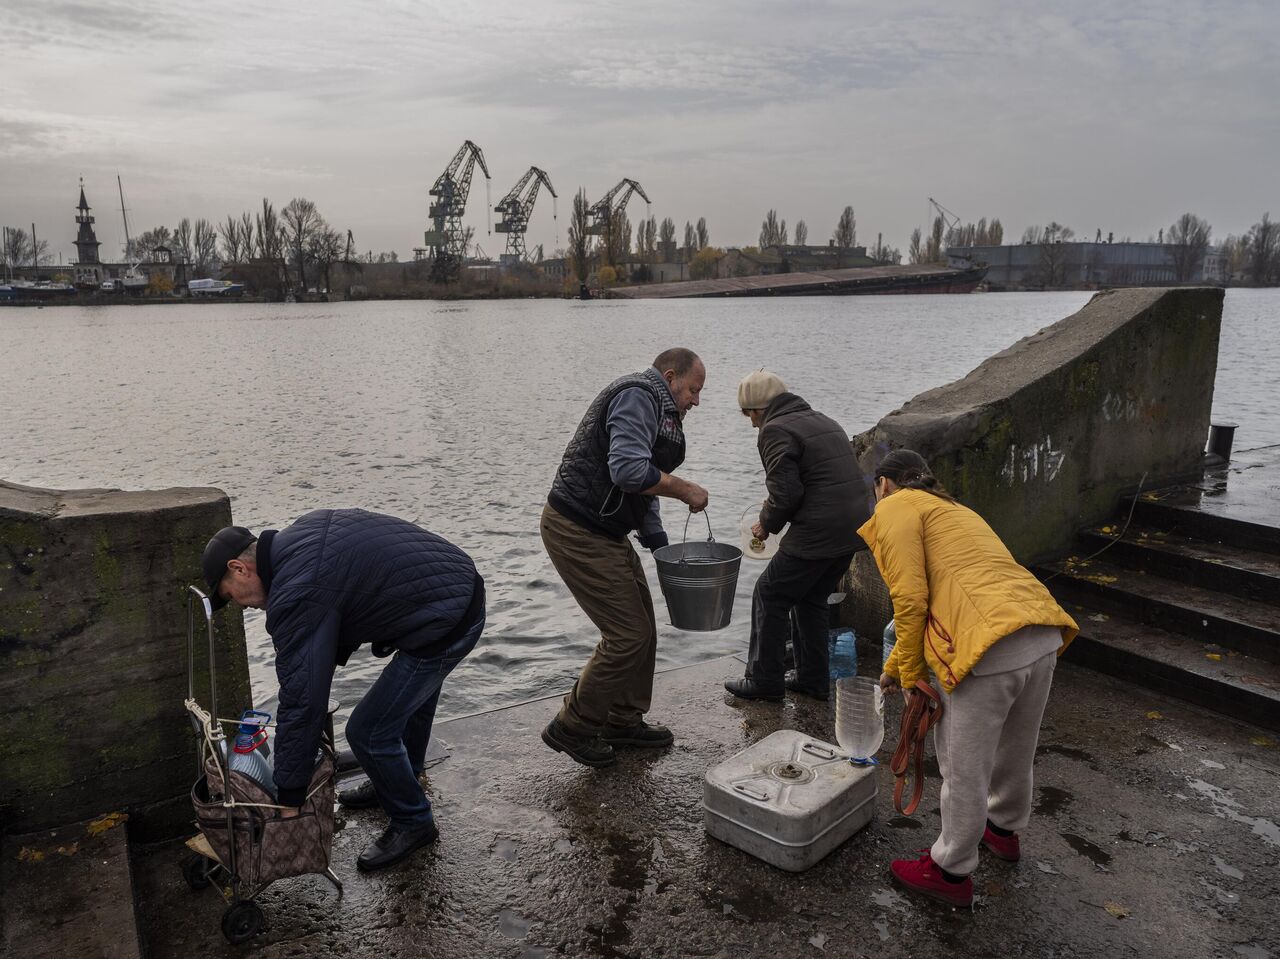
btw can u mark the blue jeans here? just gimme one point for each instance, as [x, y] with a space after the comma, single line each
[390, 727]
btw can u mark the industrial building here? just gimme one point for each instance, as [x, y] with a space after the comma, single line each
[1035, 266]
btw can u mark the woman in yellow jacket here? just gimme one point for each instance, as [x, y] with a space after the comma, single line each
[987, 634]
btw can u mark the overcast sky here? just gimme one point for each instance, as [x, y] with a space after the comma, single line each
[1111, 114]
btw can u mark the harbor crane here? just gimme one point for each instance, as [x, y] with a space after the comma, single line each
[950, 220]
[516, 208]
[446, 240]
[600, 215]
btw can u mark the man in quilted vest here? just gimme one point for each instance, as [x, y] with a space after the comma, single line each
[331, 582]
[616, 466]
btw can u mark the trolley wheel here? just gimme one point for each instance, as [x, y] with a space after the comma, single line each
[195, 870]
[242, 921]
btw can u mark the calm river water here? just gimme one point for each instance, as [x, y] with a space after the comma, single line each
[454, 415]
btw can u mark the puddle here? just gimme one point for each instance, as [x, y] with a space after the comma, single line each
[1047, 868]
[1228, 870]
[1209, 763]
[1052, 801]
[1251, 950]
[1224, 896]
[1225, 807]
[904, 822]
[562, 846]
[1095, 854]
[532, 952]
[513, 925]
[627, 869]
[611, 936]
[888, 899]
[507, 849]
[1070, 752]
[882, 928]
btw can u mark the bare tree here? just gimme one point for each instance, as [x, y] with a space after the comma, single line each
[802, 233]
[578, 224]
[204, 245]
[617, 242]
[1262, 252]
[704, 236]
[690, 241]
[145, 244]
[1050, 271]
[934, 245]
[15, 249]
[771, 231]
[182, 241]
[229, 233]
[845, 234]
[1188, 241]
[667, 240]
[324, 248]
[915, 250]
[301, 220]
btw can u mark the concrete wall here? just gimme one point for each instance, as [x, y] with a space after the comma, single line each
[1044, 438]
[93, 659]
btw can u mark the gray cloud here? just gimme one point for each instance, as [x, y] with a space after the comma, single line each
[1094, 114]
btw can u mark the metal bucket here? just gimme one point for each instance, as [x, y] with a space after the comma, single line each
[699, 581]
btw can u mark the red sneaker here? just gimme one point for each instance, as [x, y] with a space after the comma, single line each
[1005, 847]
[923, 876]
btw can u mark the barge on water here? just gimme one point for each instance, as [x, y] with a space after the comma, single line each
[917, 278]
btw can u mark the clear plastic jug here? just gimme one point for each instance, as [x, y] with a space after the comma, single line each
[859, 716]
[247, 753]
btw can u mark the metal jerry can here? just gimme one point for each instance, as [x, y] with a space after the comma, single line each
[790, 799]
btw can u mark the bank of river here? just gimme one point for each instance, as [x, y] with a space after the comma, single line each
[455, 415]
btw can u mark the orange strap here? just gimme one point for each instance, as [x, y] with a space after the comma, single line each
[924, 708]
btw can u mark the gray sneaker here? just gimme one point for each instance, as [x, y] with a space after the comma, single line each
[588, 750]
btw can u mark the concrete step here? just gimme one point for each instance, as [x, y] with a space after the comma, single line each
[1204, 615]
[69, 892]
[1240, 686]
[1214, 565]
[1181, 512]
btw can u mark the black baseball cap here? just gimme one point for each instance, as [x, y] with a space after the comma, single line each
[228, 543]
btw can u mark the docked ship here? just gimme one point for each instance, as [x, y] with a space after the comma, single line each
[200, 289]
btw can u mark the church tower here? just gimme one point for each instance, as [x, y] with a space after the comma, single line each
[86, 241]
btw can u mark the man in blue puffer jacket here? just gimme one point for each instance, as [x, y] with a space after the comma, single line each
[330, 583]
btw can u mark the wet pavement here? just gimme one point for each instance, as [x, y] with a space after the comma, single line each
[1247, 489]
[1155, 834]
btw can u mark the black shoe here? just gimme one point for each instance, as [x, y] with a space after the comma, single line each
[394, 844]
[750, 689]
[588, 750]
[641, 734]
[359, 797]
[795, 686]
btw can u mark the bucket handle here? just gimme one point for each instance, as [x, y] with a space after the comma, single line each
[685, 539]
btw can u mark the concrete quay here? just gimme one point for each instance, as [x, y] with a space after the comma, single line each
[1155, 834]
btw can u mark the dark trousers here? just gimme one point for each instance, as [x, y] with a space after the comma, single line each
[606, 578]
[789, 588]
[391, 726]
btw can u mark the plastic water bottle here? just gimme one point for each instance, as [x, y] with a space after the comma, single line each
[842, 653]
[890, 640]
[859, 717]
[247, 753]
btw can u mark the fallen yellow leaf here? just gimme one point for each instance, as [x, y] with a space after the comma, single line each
[109, 821]
[27, 854]
[1216, 657]
[1117, 910]
[1261, 741]
[68, 850]
[1154, 715]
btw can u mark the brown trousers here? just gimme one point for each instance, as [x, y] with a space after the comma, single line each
[607, 581]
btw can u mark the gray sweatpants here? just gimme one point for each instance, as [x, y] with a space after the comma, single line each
[986, 744]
